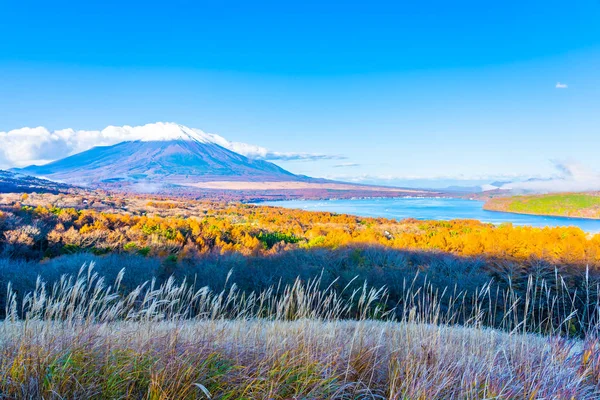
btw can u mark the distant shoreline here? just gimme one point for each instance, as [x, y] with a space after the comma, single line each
[562, 205]
[542, 215]
[429, 197]
[364, 198]
[474, 211]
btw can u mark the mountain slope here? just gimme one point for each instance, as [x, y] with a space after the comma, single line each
[11, 182]
[182, 157]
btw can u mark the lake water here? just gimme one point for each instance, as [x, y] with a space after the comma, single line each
[432, 208]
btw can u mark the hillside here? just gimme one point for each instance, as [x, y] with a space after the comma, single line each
[205, 241]
[140, 297]
[11, 182]
[178, 343]
[573, 205]
[194, 168]
[172, 159]
[185, 159]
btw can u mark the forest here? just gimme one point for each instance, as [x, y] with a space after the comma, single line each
[113, 296]
[574, 205]
[46, 226]
[50, 235]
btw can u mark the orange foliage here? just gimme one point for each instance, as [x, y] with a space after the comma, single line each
[193, 228]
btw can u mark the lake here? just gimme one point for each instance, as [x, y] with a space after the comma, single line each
[432, 208]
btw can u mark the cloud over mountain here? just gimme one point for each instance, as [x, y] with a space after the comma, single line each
[571, 177]
[25, 146]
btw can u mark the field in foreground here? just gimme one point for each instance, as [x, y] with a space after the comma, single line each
[85, 339]
[574, 205]
[232, 301]
[303, 359]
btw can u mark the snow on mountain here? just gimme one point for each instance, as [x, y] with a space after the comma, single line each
[160, 131]
[11, 182]
[160, 153]
[26, 146]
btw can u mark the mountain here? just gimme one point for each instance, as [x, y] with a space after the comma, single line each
[11, 182]
[462, 189]
[170, 154]
[171, 159]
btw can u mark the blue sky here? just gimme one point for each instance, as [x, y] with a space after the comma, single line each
[401, 91]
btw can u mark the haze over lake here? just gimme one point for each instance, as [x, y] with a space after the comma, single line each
[432, 208]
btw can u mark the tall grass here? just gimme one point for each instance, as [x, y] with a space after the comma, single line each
[83, 337]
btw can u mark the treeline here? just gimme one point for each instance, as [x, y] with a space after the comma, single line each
[539, 275]
[187, 230]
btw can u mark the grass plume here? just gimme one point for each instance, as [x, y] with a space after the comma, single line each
[85, 338]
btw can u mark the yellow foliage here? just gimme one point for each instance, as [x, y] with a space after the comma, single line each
[253, 230]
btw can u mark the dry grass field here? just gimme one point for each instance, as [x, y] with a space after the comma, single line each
[82, 339]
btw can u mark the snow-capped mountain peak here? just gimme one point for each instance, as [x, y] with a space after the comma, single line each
[161, 131]
[26, 146]
[160, 152]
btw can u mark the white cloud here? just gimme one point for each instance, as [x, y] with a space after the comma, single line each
[408, 177]
[561, 85]
[487, 187]
[571, 177]
[346, 165]
[441, 181]
[261, 153]
[26, 146]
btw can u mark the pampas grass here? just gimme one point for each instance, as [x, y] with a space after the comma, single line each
[86, 338]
